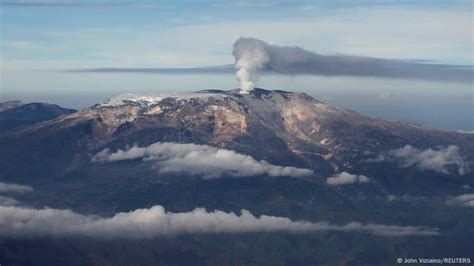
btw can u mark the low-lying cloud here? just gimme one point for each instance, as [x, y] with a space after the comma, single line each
[466, 200]
[7, 201]
[7, 187]
[156, 221]
[443, 160]
[200, 160]
[465, 131]
[345, 178]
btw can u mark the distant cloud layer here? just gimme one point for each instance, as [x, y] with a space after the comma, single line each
[6, 187]
[463, 200]
[200, 160]
[253, 56]
[221, 69]
[465, 131]
[345, 178]
[77, 4]
[156, 221]
[441, 160]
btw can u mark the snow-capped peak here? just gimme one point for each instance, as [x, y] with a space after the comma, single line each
[151, 99]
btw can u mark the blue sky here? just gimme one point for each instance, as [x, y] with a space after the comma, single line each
[185, 33]
[40, 39]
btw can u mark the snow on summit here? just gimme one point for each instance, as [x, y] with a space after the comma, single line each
[155, 98]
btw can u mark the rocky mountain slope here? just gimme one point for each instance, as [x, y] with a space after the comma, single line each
[277, 126]
[270, 152]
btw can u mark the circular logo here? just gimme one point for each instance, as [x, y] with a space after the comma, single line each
[399, 260]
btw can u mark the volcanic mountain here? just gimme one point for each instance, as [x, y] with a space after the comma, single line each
[277, 126]
[272, 152]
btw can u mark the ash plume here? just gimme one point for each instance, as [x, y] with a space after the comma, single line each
[253, 56]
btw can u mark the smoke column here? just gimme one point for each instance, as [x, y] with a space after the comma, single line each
[252, 56]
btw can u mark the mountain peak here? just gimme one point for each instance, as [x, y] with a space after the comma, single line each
[154, 98]
[147, 100]
[255, 92]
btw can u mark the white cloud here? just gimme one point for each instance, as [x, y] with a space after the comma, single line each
[345, 178]
[464, 200]
[201, 160]
[7, 201]
[441, 160]
[156, 221]
[465, 131]
[6, 187]
[405, 198]
[75, 4]
[435, 34]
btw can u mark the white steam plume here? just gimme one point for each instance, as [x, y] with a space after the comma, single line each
[250, 56]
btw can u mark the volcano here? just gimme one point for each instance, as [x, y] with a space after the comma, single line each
[271, 151]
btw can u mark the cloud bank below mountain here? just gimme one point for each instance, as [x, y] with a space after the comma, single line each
[7, 187]
[445, 160]
[345, 178]
[200, 160]
[466, 200]
[156, 222]
[441, 160]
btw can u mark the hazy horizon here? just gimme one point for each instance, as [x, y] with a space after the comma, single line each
[430, 105]
[42, 41]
